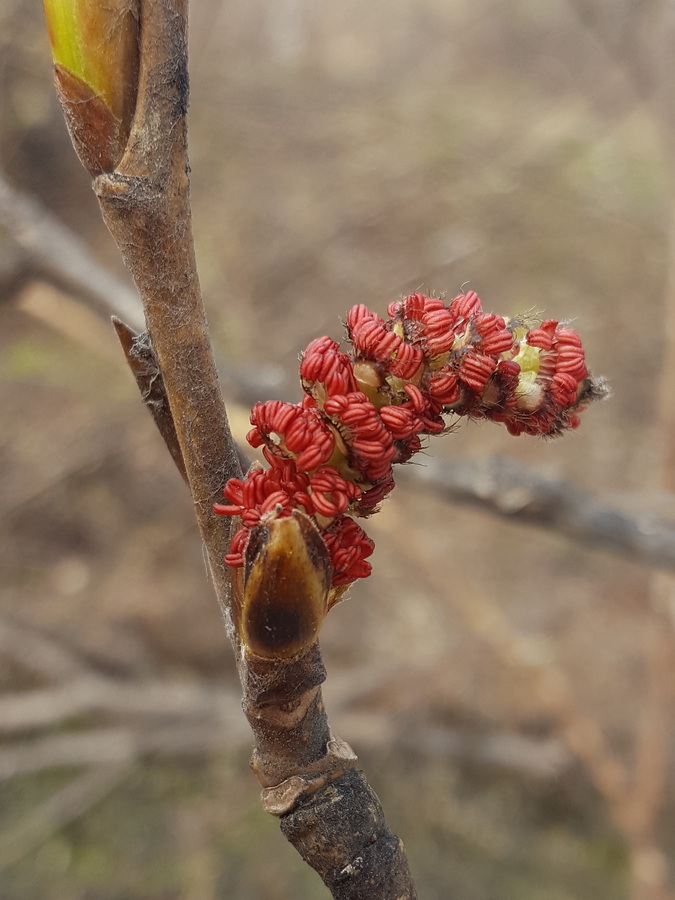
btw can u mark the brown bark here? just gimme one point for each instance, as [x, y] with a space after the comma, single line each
[145, 204]
[327, 809]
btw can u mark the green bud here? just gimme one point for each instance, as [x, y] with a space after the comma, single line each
[96, 55]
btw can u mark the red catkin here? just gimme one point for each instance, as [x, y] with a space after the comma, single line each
[332, 455]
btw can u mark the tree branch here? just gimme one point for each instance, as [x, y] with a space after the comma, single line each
[140, 356]
[326, 807]
[145, 204]
[506, 488]
[56, 253]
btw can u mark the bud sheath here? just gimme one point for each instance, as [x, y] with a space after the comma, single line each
[96, 59]
[287, 577]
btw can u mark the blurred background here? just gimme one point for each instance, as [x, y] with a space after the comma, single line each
[506, 674]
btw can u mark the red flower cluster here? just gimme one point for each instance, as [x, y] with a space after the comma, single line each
[332, 455]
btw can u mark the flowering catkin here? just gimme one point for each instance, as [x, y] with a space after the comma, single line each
[332, 455]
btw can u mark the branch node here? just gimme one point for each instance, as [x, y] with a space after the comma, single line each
[281, 799]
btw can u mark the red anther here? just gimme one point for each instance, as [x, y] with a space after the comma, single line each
[329, 508]
[547, 364]
[360, 317]
[439, 332]
[314, 456]
[369, 443]
[475, 370]
[327, 480]
[275, 415]
[367, 433]
[348, 546]
[407, 361]
[254, 438]
[387, 343]
[401, 422]
[432, 303]
[345, 405]
[539, 337]
[372, 450]
[413, 307]
[505, 379]
[305, 501]
[233, 491]
[301, 432]
[353, 409]
[432, 422]
[569, 351]
[564, 388]
[419, 404]
[321, 345]
[250, 517]
[417, 306]
[514, 427]
[296, 434]
[236, 559]
[224, 510]
[508, 368]
[486, 323]
[323, 362]
[444, 389]
[278, 498]
[497, 342]
[372, 340]
[465, 305]
[566, 335]
[253, 489]
[574, 367]
[331, 493]
[340, 380]
[370, 337]
[239, 541]
[357, 314]
[492, 336]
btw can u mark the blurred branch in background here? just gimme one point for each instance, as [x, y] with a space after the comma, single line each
[635, 791]
[179, 718]
[506, 488]
[63, 807]
[45, 249]
[638, 39]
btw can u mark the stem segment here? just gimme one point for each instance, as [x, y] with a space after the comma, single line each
[309, 779]
[145, 204]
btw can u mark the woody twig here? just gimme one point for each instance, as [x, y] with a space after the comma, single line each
[121, 74]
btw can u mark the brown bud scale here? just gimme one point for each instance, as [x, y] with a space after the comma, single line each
[287, 578]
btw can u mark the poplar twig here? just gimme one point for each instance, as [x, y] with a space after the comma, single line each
[140, 170]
